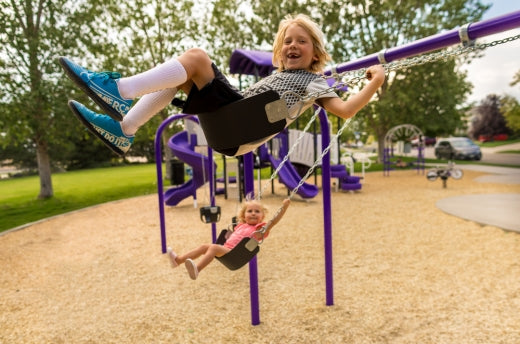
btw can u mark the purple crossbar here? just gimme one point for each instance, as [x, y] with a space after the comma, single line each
[441, 40]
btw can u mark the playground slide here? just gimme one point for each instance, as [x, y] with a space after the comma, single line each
[290, 178]
[199, 163]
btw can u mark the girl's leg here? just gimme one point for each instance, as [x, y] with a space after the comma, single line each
[193, 254]
[213, 251]
[194, 65]
[207, 251]
[145, 108]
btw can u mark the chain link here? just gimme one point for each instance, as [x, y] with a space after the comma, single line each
[352, 78]
[291, 150]
[320, 158]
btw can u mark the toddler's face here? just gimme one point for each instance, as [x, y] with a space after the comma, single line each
[253, 214]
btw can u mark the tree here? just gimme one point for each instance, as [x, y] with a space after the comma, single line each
[516, 79]
[510, 108]
[147, 34]
[489, 119]
[33, 103]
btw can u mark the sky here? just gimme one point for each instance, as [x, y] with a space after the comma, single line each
[495, 70]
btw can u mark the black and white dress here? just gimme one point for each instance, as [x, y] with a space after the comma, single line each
[298, 81]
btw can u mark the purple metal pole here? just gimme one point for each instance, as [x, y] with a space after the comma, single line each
[211, 180]
[327, 213]
[441, 40]
[158, 164]
[249, 188]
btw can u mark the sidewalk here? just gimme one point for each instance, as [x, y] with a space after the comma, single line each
[504, 175]
[500, 210]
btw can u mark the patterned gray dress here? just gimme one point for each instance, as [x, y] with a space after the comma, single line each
[299, 81]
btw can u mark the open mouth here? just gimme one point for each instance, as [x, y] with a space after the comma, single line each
[293, 56]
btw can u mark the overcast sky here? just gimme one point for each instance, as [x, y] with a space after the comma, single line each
[493, 72]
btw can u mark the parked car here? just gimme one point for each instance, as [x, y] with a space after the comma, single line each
[428, 141]
[457, 148]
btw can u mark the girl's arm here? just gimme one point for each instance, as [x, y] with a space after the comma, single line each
[348, 108]
[285, 204]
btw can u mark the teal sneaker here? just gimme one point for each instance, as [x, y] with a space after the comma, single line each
[100, 87]
[104, 127]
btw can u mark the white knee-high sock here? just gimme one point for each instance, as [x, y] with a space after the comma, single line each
[145, 108]
[167, 75]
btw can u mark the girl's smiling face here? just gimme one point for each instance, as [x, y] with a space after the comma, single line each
[297, 49]
[254, 214]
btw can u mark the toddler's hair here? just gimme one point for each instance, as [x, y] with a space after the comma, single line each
[317, 41]
[241, 213]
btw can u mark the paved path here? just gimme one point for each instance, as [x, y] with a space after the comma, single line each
[500, 210]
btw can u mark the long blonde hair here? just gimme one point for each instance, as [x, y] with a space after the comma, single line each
[317, 41]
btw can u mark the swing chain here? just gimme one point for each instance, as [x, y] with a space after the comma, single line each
[291, 150]
[319, 159]
[352, 78]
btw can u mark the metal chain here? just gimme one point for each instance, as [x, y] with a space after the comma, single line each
[319, 159]
[291, 150]
[352, 78]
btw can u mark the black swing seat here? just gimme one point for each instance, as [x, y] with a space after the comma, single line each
[244, 121]
[240, 254]
[210, 214]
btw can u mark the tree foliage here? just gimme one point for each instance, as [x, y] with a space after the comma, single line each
[510, 108]
[32, 34]
[516, 79]
[489, 120]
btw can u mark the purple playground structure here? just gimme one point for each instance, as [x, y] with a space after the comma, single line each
[290, 178]
[185, 151]
[287, 174]
[259, 64]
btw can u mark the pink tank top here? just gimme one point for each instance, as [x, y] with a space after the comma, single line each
[242, 230]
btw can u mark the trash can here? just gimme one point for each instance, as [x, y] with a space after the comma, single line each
[177, 172]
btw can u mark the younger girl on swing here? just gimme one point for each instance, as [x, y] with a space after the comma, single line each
[298, 52]
[250, 216]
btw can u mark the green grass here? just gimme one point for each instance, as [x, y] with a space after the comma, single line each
[509, 152]
[79, 189]
[72, 190]
[496, 143]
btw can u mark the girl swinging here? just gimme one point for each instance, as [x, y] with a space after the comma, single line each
[298, 51]
[251, 219]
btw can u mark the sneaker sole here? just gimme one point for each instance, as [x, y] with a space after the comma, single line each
[81, 84]
[192, 269]
[90, 128]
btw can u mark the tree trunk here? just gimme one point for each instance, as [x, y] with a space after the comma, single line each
[44, 171]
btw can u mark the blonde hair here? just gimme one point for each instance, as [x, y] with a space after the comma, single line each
[317, 41]
[242, 212]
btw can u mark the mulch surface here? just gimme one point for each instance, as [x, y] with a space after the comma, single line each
[404, 272]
